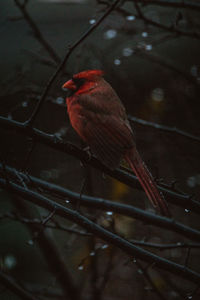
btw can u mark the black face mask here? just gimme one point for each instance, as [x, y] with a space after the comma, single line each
[78, 82]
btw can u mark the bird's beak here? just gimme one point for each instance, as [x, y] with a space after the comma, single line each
[69, 85]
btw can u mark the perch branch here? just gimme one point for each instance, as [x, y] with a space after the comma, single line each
[128, 178]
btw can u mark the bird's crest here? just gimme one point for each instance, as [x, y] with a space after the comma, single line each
[89, 74]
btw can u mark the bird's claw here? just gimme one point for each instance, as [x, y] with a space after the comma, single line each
[57, 138]
[87, 150]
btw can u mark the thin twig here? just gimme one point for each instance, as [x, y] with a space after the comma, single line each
[56, 225]
[107, 273]
[166, 63]
[48, 246]
[162, 247]
[187, 256]
[192, 294]
[32, 147]
[171, 28]
[164, 128]
[172, 3]
[17, 289]
[21, 180]
[37, 32]
[147, 277]
[48, 217]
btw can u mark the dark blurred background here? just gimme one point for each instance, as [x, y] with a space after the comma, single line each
[151, 56]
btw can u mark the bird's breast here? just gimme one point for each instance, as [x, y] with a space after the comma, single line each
[76, 116]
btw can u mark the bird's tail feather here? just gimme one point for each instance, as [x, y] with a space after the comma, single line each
[148, 183]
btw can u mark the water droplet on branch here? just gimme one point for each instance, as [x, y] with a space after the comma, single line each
[30, 242]
[144, 34]
[59, 100]
[24, 104]
[127, 52]
[10, 261]
[110, 34]
[109, 213]
[157, 94]
[117, 62]
[10, 116]
[80, 268]
[92, 21]
[148, 47]
[194, 71]
[105, 246]
[179, 244]
[191, 181]
[130, 18]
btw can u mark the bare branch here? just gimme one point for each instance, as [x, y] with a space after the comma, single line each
[99, 203]
[17, 289]
[37, 32]
[183, 200]
[48, 246]
[106, 235]
[178, 245]
[164, 128]
[171, 28]
[172, 3]
[147, 277]
[54, 225]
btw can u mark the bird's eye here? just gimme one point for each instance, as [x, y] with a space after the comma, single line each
[78, 81]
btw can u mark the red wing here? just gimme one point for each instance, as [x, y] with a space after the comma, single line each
[108, 137]
[104, 125]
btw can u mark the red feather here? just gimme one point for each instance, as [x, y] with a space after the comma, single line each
[89, 74]
[99, 117]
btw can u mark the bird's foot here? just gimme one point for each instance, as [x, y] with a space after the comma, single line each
[88, 152]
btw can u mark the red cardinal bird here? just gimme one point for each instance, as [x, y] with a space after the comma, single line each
[99, 117]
